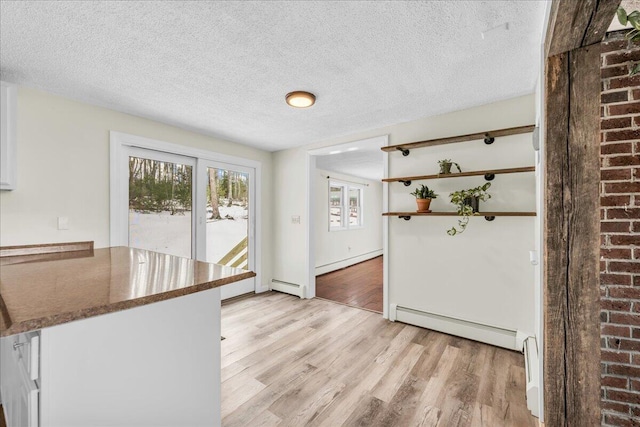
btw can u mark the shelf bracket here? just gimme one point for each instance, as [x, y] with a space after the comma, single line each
[405, 182]
[405, 217]
[488, 139]
[405, 151]
[489, 176]
[489, 217]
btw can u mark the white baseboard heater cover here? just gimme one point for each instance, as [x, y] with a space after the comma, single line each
[348, 262]
[450, 325]
[531, 371]
[289, 288]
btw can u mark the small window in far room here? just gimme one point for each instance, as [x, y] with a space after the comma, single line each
[336, 206]
[345, 206]
[355, 212]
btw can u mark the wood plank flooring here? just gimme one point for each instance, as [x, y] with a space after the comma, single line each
[293, 362]
[359, 285]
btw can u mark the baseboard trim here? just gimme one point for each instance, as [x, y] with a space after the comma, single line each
[288, 288]
[493, 335]
[337, 265]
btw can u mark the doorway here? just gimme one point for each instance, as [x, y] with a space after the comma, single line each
[347, 236]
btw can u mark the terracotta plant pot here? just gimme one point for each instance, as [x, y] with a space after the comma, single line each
[423, 205]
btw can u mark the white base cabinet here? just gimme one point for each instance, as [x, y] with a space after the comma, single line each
[18, 379]
[153, 365]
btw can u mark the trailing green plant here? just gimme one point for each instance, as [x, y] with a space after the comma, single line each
[462, 200]
[445, 166]
[632, 18]
[423, 192]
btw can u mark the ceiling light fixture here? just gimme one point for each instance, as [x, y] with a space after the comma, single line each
[300, 99]
[335, 152]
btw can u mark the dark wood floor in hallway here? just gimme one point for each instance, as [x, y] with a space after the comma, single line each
[358, 286]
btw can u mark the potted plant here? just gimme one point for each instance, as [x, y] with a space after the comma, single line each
[632, 18]
[468, 203]
[423, 198]
[445, 166]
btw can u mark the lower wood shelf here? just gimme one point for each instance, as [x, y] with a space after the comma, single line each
[489, 216]
[456, 214]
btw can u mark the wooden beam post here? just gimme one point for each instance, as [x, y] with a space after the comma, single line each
[571, 228]
[572, 308]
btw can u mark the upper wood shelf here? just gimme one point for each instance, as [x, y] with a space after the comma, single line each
[456, 175]
[462, 138]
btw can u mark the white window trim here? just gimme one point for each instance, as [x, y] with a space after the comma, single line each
[346, 186]
[119, 148]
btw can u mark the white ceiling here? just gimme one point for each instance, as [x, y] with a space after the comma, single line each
[223, 68]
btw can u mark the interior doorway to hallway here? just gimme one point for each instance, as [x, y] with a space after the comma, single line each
[346, 227]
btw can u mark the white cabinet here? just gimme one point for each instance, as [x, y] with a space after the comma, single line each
[153, 365]
[8, 123]
[19, 357]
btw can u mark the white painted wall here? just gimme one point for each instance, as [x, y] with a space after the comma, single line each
[483, 275]
[63, 170]
[290, 246]
[339, 249]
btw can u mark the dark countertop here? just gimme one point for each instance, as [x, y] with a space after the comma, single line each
[37, 293]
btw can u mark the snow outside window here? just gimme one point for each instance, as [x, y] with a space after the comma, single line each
[345, 206]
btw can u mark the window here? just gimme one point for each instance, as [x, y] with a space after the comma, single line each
[345, 206]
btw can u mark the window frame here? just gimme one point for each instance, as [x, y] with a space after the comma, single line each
[345, 207]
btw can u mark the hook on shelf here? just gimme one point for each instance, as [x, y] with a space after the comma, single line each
[489, 217]
[405, 217]
[405, 182]
[489, 176]
[405, 151]
[488, 139]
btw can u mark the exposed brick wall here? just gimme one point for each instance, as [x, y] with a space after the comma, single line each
[620, 233]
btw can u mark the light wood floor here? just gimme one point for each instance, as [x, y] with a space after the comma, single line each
[293, 362]
[359, 285]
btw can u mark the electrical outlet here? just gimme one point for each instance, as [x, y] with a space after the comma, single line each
[295, 219]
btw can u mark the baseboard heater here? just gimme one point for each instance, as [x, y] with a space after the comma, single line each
[450, 325]
[531, 369]
[347, 262]
[289, 288]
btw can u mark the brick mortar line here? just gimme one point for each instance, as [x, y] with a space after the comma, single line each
[622, 141]
[606, 387]
[608, 310]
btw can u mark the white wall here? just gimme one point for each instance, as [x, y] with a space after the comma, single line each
[63, 170]
[290, 246]
[339, 249]
[483, 275]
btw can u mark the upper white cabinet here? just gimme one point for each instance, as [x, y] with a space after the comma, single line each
[8, 158]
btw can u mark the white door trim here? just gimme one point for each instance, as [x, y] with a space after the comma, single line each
[118, 150]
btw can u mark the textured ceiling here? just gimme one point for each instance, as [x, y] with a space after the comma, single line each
[223, 68]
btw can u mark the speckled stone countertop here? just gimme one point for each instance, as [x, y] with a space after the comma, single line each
[36, 294]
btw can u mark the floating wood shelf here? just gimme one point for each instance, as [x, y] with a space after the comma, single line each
[414, 213]
[407, 179]
[487, 136]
